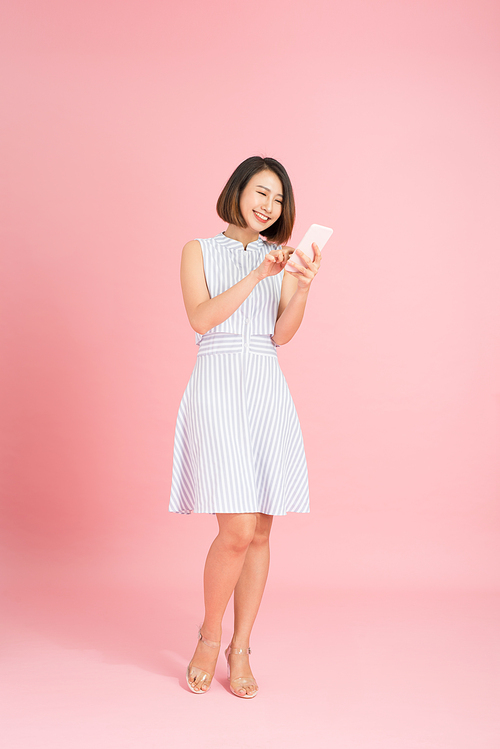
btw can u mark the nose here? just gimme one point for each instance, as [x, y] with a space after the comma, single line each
[267, 203]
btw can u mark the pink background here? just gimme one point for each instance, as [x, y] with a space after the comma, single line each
[120, 124]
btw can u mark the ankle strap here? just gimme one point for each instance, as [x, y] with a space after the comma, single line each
[238, 651]
[210, 643]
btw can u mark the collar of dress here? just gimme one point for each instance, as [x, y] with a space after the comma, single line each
[235, 245]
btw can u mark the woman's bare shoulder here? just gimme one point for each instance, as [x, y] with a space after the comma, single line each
[192, 247]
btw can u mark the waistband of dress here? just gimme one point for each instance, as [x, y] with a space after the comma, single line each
[229, 343]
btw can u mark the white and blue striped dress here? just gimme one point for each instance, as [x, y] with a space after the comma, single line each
[238, 444]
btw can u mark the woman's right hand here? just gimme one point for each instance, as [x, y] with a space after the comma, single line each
[273, 263]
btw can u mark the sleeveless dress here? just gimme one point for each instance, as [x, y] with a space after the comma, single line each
[238, 444]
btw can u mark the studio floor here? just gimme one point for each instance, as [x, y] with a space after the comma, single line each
[105, 667]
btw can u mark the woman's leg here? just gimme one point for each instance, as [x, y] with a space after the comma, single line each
[247, 598]
[223, 567]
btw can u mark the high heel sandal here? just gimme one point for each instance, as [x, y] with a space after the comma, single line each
[242, 682]
[206, 678]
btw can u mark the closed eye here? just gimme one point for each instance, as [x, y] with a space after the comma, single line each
[264, 194]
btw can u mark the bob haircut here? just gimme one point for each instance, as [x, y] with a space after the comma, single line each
[228, 204]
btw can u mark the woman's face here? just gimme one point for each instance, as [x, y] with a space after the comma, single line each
[261, 201]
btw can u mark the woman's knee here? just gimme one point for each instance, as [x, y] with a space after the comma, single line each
[237, 532]
[262, 530]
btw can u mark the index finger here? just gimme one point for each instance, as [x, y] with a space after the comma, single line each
[317, 253]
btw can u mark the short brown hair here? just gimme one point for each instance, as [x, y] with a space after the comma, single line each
[228, 204]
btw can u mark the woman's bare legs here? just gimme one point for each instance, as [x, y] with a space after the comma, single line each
[223, 568]
[247, 597]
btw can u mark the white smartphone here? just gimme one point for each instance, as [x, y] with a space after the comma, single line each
[317, 234]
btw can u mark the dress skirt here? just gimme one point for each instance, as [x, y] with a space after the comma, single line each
[238, 443]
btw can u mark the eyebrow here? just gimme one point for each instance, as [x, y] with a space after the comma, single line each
[279, 195]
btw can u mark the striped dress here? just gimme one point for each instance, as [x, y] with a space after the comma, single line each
[238, 445]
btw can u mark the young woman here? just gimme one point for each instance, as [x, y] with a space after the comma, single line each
[238, 448]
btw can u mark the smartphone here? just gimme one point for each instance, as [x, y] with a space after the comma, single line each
[316, 233]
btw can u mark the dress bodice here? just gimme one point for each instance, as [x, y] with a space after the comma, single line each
[225, 263]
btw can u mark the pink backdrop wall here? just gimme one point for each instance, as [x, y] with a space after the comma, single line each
[120, 123]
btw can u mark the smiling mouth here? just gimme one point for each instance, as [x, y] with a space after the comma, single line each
[261, 217]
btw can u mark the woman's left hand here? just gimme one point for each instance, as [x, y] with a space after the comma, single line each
[305, 275]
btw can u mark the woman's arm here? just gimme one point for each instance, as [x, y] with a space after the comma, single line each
[205, 313]
[294, 293]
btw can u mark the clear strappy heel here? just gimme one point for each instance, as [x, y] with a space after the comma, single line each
[242, 682]
[203, 677]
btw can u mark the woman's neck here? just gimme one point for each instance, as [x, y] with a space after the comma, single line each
[245, 236]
